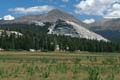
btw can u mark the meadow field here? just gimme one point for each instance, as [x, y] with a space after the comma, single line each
[59, 66]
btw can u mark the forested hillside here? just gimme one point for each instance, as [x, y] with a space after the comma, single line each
[36, 37]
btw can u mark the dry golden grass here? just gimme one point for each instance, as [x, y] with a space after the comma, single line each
[59, 66]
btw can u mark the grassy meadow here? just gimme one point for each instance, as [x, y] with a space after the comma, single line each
[59, 66]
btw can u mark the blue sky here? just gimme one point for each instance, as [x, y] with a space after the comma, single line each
[82, 9]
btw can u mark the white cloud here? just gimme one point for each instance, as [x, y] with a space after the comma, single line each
[113, 14]
[116, 6]
[114, 11]
[98, 7]
[8, 17]
[32, 10]
[65, 0]
[88, 21]
[0, 18]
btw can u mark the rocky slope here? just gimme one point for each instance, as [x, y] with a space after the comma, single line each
[69, 28]
[10, 32]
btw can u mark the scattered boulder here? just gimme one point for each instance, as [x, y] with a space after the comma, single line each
[1, 49]
[32, 50]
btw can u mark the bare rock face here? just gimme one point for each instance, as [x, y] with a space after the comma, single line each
[10, 32]
[69, 28]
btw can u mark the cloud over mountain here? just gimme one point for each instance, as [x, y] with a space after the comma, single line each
[8, 17]
[88, 21]
[105, 8]
[32, 10]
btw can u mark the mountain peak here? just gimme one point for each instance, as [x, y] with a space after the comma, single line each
[51, 16]
[59, 14]
[56, 11]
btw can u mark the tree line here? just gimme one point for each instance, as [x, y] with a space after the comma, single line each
[35, 38]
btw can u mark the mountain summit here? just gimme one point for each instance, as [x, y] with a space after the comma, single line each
[51, 16]
[63, 24]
